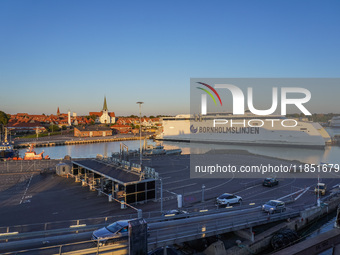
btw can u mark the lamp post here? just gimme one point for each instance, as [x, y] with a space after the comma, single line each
[140, 133]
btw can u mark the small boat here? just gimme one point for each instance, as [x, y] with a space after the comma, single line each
[6, 148]
[30, 154]
[154, 150]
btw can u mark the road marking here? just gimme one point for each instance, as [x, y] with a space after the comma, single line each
[188, 185]
[336, 185]
[228, 207]
[78, 226]
[26, 190]
[306, 189]
[248, 188]
[183, 180]
[252, 204]
[204, 210]
[169, 215]
[291, 194]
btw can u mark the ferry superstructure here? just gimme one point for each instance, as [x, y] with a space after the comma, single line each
[253, 129]
[335, 121]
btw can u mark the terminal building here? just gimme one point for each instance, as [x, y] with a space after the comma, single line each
[120, 180]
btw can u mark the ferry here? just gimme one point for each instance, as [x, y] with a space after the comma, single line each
[247, 129]
[335, 122]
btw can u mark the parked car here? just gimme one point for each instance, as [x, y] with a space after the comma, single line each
[228, 199]
[112, 233]
[320, 188]
[175, 214]
[270, 182]
[274, 206]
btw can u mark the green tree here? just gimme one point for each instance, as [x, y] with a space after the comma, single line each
[4, 118]
[93, 117]
[53, 128]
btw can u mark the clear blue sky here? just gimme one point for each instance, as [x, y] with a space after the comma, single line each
[72, 53]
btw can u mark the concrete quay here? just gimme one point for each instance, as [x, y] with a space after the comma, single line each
[74, 142]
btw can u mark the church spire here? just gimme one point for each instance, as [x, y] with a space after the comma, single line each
[105, 105]
[58, 111]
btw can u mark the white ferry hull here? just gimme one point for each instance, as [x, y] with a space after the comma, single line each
[305, 134]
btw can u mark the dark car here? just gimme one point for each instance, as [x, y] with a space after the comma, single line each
[274, 206]
[175, 214]
[270, 182]
[112, 233]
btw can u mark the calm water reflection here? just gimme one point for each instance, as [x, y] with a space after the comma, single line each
[331, 154]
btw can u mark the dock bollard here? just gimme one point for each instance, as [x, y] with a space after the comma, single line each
[110, 198]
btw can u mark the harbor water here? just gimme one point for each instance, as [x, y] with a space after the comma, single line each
[330, 155]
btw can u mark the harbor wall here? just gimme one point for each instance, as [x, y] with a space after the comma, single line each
[74, 142]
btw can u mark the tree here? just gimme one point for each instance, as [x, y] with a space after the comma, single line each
[93, 117]
[53, 128]
[4, 118]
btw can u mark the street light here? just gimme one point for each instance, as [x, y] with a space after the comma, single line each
[140, 133]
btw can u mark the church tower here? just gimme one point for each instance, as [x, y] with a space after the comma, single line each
[105, 105]
[105, 117]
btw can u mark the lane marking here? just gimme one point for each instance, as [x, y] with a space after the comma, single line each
[22, 199]
[290, 194]
[188, 185]
[306, 189]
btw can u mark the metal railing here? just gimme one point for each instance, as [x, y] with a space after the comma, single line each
[183, 232]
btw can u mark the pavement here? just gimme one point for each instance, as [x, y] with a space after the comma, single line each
[38, 198]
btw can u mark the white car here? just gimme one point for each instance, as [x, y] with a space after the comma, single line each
[228, 199]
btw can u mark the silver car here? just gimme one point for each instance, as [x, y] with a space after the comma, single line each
[228, 199]
[112, 233]
[273, 206]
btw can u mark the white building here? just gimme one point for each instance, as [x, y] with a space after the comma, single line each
[104, 117]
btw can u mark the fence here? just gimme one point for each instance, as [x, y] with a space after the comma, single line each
[22, 166]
